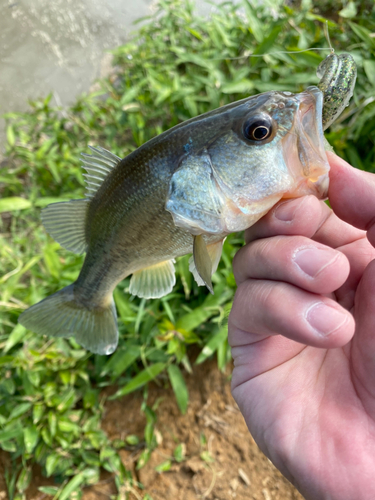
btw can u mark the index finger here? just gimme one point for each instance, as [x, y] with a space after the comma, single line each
[352, 195]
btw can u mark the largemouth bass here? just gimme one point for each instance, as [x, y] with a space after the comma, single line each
[182, 192]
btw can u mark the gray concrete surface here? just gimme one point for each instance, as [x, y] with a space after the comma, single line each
[59, 46]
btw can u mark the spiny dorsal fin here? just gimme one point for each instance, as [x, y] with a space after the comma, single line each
[153, 282]
[65, 222]
[98, 165]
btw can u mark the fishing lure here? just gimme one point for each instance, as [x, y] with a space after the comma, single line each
[338, 74]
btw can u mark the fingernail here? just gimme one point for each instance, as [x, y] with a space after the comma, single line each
[325, 319]
[285, 211]
[313, 260]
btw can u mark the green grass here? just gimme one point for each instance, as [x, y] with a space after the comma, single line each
[177, 66]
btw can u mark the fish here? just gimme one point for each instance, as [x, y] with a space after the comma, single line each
[338, 74]
[183, 192]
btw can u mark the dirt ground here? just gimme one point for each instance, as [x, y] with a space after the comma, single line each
[232, 466]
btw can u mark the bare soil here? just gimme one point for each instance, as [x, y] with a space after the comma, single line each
[231, 467]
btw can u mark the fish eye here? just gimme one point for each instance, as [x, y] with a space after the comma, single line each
[258, 128]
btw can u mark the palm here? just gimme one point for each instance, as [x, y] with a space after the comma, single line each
[311, 408]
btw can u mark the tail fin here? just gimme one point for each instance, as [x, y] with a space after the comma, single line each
[62, 315]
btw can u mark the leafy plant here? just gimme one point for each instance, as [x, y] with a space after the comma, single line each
[177, 66]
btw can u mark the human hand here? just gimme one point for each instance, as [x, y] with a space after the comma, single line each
[302, 331]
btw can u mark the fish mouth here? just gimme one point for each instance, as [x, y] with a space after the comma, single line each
[310, 143]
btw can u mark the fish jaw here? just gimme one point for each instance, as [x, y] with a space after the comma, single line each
[304, 150]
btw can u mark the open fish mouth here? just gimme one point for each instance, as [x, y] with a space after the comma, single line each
[312, 159]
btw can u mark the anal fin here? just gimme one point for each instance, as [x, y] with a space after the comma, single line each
[214, 251]
[153, 282]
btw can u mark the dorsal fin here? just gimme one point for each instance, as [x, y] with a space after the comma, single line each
[98, 165]
[66, 222]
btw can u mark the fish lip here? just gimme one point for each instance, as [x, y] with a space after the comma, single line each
[310, 143]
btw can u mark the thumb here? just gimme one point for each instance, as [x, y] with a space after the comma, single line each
[363, 347]
[352, 195]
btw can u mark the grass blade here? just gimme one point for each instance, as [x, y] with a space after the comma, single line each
[140, 380]
[179, 387]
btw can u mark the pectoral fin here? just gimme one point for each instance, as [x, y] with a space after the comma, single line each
[195, 200]
[153, 282]
[202, 261]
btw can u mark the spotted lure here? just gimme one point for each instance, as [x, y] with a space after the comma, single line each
[338, 74]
